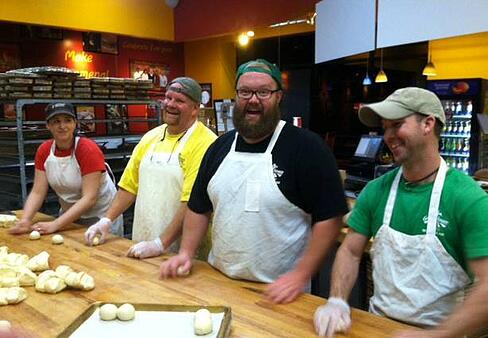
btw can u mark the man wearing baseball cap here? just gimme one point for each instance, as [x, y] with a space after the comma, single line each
[274, 190]
[160, 174]
[429, 227]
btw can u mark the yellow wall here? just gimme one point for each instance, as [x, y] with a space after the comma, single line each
[140, 18]
[461, 57]
[213, 61]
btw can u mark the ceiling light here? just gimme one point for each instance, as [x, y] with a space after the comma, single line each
[429, 69]
[243, 40]
[381, 76]
[367, 79]
[250, 34]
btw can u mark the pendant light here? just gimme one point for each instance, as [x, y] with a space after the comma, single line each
[429, 69]
[381, 76]
[367, 79]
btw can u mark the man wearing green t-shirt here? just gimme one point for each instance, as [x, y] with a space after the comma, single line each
[429, 228]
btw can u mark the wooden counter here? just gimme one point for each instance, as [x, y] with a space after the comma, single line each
[122, 279]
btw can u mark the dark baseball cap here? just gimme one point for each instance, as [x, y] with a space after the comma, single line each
[188, 86]
[59, 108]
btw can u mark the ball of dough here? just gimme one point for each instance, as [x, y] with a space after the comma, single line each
[181, 272]
[96, 241]
[126, 312]
[35, 235]
[341, 326]
[108, 312]
[5, 326]
[57, 239]
[203, 322]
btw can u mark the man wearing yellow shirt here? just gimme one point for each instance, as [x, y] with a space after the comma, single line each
[160, 174]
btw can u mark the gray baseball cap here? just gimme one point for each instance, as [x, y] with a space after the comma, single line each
[189, 87]
[59, 108]
[402, 103]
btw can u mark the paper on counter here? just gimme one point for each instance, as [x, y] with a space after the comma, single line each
[146, 324]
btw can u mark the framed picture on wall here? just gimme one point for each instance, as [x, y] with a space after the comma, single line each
[48, 33]
[206, 95]
[92, 42]
[118, 116]
[144, 70]
[85, 115]
[224, 110]
[109, 44]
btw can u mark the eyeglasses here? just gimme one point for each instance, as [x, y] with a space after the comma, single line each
[262, 94]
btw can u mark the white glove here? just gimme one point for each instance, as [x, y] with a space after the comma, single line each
[146, 249]
[335, 316]
[102, 227]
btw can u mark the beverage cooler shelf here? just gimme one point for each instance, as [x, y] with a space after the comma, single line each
[455, 155]
[455, 135]
[465, 117]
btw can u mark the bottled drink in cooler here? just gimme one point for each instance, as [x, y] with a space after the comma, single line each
[459, 108]
[448, 127]
[459, 146]
[469, 108]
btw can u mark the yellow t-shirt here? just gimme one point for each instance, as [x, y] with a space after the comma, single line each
[190, 156]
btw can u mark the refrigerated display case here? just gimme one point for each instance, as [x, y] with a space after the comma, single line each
[462, 100]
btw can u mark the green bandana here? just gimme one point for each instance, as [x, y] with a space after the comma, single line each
[260, 66]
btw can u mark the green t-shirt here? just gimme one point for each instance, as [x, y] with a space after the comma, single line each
[462, 224]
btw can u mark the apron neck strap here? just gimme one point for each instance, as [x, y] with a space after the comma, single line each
[435, 198]
[53, 146]
[185, 137]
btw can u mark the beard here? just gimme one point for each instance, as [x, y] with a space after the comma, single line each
[263, 127]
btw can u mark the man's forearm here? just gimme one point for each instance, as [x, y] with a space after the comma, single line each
[174, 229]
[323, 237]
[194, 229]
[122, 201]
[346, 265]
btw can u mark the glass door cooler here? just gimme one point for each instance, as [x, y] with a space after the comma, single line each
[461, 99]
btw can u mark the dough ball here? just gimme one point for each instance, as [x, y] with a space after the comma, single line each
[108, 312]
[181, 272]
[203, 322]
[96, 241]
[126, 312]
[5, 326]
[35, 235]
[57, 239]
[341, 326]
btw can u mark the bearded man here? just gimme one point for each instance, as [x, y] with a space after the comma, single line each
[275, 194]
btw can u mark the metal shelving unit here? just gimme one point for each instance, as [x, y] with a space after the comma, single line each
[16, 171]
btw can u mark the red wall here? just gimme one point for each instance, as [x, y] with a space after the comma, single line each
[197, 19]
[17, 50]
[42, 52]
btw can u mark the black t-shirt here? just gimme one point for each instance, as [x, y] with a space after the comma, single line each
[304, 169]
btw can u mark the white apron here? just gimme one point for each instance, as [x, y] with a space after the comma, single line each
[415, 279]
[159, 194]
[257, 233]
[64, 177]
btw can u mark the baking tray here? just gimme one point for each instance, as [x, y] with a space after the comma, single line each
[223, 332]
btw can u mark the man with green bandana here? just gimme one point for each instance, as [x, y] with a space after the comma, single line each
[160, 174]
[274, 191]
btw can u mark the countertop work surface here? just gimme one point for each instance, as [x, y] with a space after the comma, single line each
[120, 279]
